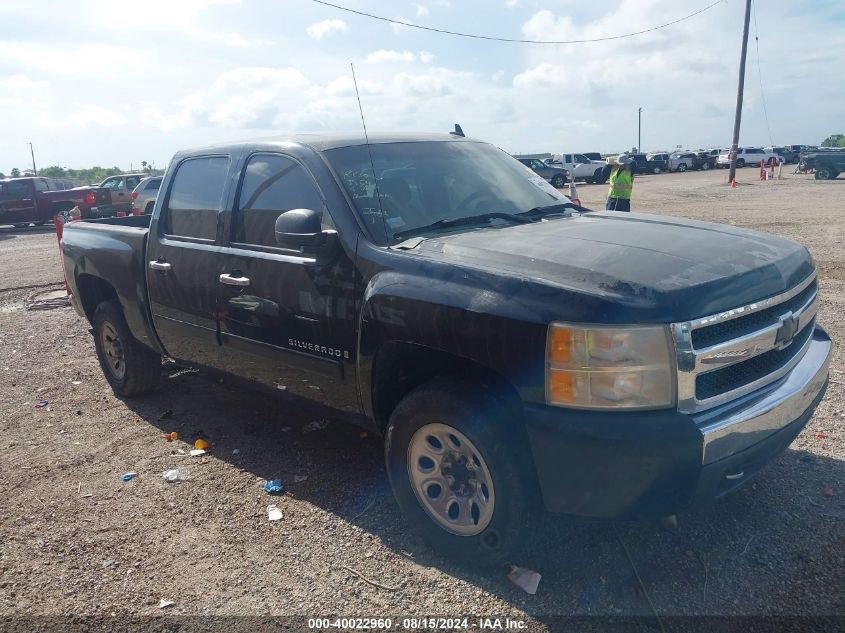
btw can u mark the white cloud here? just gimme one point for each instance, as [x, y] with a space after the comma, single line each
[511, 3]
[319, 30]
[384, 55]
[89, 115]
[422, 11]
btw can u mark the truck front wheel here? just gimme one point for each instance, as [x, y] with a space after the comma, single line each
[461, 470]
[130, 368]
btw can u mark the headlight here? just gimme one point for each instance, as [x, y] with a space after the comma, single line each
[597, 367]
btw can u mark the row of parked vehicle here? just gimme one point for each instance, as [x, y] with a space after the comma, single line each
[591, 167]
[37, 200]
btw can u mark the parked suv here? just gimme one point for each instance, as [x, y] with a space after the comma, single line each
[556, 175]
[144, 195]
[681, 161]
[748, 156]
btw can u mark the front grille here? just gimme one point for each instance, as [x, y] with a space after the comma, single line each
[735, 376]
[743, 325]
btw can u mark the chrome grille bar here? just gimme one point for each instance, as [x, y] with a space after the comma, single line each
[775, 335]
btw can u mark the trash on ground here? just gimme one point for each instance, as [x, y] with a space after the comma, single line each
[41, 404]
[297, 479]
[203, 460]
[202, 445]
[821, 436]
[525, 579]
[171, 436]
[827, 491]
[273, 513]
[129, 476]
[197, 452]
[235, 451]
[273, 486]
[76, 382]
[175, 475]
[316, 425]
[163, 604]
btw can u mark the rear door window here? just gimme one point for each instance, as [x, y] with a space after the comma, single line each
[132, 181]
[272, 184]
[153, 185]
[196, 198]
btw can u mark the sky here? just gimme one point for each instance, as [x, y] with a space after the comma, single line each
[108, 82]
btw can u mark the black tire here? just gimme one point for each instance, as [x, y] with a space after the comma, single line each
[493, 425]
[682, 167]
[148, 210]
[740, 162]
[130, 368]
[824, 173]
[656, 170]
[705, 166]
[60, 208]
[558, 181]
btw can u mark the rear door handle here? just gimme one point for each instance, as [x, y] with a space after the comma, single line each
[154, 265]
[234, 281]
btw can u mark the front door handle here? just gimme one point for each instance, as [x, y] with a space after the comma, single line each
[234, 281]
[155, 265]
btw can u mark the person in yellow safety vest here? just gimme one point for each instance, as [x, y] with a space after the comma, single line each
[621, 183]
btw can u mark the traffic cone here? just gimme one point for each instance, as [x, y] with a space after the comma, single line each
[762, 170]
[573, 192]
[733, 183]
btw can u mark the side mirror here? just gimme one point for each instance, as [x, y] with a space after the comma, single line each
[301, 229]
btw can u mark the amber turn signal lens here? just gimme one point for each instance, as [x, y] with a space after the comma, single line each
[560, 345]
[561, 387]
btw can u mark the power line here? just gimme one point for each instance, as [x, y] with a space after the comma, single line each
[516, 41]
[760, 75]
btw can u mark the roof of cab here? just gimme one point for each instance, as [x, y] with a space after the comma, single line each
[322, 142]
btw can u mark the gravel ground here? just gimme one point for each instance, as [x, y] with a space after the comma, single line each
[76, 539]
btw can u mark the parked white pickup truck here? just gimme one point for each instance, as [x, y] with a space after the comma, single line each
[580, 167]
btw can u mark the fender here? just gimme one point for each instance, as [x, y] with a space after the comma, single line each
[118, 261]
[455, 313]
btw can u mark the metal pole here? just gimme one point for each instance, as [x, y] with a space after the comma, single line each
[639, 130]
[739, 91]
[32, 153]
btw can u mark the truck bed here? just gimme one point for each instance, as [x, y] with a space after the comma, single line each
[109, 253]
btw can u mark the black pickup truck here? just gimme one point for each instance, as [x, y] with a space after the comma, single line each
[515, 350]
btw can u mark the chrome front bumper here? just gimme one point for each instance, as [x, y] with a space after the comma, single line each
[743, 423]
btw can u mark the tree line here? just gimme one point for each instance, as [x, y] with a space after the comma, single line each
[89, 176]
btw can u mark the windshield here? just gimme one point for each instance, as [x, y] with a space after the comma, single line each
[422, 183]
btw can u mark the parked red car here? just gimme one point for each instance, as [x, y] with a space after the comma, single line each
[37, 200]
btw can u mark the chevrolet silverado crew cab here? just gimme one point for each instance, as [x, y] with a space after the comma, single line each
[515, 350]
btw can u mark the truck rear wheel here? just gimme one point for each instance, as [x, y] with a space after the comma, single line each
[824, 173]
[461, 470]
[130, 368]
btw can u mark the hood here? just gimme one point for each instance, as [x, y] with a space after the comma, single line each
[671, 268]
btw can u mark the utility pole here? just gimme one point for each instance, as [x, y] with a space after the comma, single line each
[639, 130]
[739, 91]
[32, 153]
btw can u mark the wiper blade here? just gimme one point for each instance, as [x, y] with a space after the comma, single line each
[470, 219]
[554, 208]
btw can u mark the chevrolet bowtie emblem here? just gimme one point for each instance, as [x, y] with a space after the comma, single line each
[786, 331]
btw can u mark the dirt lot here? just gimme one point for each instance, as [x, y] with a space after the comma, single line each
[76, 539]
